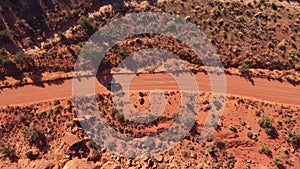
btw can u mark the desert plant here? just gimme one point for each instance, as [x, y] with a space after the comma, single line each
[141, 100]
[29, 154]
[244, 68]
[94, 154]
[122, 52]
[278, 161]
[4, 36]
[35, 136]
[84, 22]
[294, 138]
[8, 152]
[4, 60]
[56, 102]
[265, 150]
[19, 57]
[266, 123]
[211, 150]
[217, 104]
[232, 128]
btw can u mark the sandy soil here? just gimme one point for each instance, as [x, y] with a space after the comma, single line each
[261, 89]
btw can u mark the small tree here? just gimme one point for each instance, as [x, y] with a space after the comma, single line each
[19, 58]
[244, 68]
[8, 152]
[94, 155]
[265, 150]
[278, 161]
[85, 22]
[4, 36]
[4, 60]
[36, 137]
[266, 123]
[294, 138]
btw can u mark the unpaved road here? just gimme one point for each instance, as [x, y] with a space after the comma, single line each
[262, 89]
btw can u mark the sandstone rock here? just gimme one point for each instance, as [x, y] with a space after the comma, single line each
[80, 164]
[110, 165]
[159, 158]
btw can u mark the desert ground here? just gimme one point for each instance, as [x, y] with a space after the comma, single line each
[40, 124]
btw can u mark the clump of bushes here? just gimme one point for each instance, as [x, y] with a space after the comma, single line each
[19, 57]
[4, 60]
[265, 150]
[122, 52]
[4, 36]
[244, 68]
[278, 161]
[8, 152]
[36, 137]
[94, 154]
[266, 123]
[85, 22]
[294, 138]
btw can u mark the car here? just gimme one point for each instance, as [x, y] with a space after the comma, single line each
[113, 86]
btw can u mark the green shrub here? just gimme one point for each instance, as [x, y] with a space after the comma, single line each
[294, 138]
[217, 104]
[122, 52]
[141, 100]
[211, 150]
[7, 151]
[4, 60]
[232, 128]
[84, 22]
[29, 154]
[19, 58]
[35, 136]
[94, 154]
[265, 150]
[278, 161]
[244, 68]
[20, 23]
[4, 36]
[265, 122]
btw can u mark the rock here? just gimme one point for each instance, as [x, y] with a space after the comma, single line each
[292, 150]
[37, 164]
[159, 158]
[129, 162]
[75, 163]
[110, 165]
[194, 156]
[173, 165]
[187, 18]
[70, 139]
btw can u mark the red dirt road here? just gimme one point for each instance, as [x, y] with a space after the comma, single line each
[262, 89]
